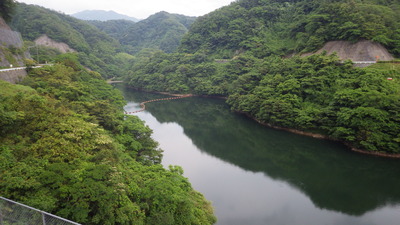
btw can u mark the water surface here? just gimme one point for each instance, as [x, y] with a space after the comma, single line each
[256, 175]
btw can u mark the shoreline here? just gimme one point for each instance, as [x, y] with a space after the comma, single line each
[291, 130]
[325, 137]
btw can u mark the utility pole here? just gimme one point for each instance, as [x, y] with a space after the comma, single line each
[37, 54]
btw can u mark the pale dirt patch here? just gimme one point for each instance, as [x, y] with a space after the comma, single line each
[44, 40]
[359, 51]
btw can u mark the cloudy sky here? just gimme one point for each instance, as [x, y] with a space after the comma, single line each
[140, 9]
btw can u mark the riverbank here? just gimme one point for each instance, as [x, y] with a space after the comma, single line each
[325, 137]
[291, 130]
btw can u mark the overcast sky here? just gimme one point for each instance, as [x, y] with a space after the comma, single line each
[139, 9]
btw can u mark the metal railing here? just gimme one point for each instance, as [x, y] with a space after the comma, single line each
[14, 213]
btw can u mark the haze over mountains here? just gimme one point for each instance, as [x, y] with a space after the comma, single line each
[102, 15]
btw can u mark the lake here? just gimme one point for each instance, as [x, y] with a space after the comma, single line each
[257, 175]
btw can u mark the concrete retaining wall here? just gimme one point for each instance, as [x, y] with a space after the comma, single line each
[13, 76]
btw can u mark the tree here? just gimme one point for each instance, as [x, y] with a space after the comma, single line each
[7, 9]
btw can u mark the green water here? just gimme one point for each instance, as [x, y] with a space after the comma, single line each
[256, 175]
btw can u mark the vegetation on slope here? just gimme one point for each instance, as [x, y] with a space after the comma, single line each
[280, 27]
[67, 148]
[7, 9]
[96, 49]
[316, 94]
[162, 31]
[114, 28]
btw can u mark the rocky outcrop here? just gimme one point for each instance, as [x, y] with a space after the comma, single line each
[10, 41]
[9, 37]
[356, 52]
[44, 40]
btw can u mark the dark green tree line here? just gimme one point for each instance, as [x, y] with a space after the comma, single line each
[6, 9]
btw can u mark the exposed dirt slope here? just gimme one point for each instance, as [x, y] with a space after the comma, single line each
[44, 40]
[360, 51]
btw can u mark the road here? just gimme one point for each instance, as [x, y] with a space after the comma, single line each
[23, 68]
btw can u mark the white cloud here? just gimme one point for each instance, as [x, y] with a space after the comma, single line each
[136, 8]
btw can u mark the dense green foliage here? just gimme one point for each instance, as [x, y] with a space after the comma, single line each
[161, 31]
[6, 9]
[114, 28]
[269, 27]
[67, 148]
[96, 49]
[177, 73]
[318, 94]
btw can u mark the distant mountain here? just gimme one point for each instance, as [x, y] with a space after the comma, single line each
[102, 15]
[114, 28]
[162, 31]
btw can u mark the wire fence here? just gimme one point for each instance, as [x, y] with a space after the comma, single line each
[14, 213]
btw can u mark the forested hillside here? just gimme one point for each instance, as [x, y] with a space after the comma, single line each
[67, 148]
[270, 27]
[114, 28]
[161, 31]
[7, 9]
[246, 51]
[96, 50]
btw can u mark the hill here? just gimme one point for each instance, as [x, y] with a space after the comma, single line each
[114, 28]
[96, 50]
[102, 15]
[250, 52]
[162, 31]
[276, 27]
[67, 148]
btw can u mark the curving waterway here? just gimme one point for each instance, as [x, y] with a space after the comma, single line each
[256, 175]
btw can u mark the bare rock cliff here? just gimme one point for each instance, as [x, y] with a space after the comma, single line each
[9, 37]
[360, 51]
[44, 40]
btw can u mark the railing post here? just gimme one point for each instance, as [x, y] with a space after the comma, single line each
[43, 218]
[1, 214]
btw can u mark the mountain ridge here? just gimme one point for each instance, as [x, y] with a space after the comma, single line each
[102, 15]
[160, 31]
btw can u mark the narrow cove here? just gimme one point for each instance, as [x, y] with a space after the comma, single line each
[257, 175]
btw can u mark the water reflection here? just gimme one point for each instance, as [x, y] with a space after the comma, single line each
[329, 175]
